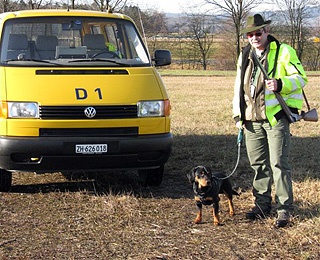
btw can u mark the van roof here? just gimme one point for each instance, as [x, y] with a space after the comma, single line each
[60, 12]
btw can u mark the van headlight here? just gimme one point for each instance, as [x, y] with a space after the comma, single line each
[23, 110]
[153, 108]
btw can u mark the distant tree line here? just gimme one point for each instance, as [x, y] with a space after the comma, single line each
[203, 41]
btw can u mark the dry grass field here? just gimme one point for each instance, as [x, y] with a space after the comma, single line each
[110, 216]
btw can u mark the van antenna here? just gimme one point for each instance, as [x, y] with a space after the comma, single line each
[144, 35]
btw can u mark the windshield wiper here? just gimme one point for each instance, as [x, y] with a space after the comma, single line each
[35, 60]
[100, 60]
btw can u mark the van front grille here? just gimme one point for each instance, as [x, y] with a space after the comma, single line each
[78, 112]
[90, 132]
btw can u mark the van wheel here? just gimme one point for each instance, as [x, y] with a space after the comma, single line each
[151, 177]
[5, 180]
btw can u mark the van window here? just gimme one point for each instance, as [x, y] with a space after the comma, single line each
[69, 41]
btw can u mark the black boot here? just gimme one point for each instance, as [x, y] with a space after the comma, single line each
[257, 213]
[283, 219]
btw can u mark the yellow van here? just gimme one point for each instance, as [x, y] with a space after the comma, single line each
[80, 92]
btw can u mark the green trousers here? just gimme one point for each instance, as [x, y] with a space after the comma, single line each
[268, 151]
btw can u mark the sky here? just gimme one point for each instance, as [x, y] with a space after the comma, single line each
[166, 6]
[180, 6]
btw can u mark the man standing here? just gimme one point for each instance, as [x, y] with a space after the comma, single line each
[257, 110]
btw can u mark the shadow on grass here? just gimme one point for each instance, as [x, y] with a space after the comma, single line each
[54, 187]
[95, 183]
[306, 212]
[217, 152]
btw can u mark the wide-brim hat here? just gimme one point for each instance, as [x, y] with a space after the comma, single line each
[255, 23]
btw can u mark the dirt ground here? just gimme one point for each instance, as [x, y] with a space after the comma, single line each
[111, 216]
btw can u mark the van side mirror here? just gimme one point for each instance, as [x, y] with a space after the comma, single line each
[162, 57]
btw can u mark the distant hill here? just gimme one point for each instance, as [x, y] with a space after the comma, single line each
[313, 13]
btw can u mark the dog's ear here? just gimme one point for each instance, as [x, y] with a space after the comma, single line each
[209, 172]
[207, 169]
[191, 175]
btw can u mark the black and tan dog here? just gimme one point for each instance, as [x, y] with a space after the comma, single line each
[207, 186]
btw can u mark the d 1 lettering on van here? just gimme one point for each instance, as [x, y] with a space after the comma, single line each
[82, 93]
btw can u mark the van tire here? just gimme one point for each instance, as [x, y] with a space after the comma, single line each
[151, 177]
[5, 180]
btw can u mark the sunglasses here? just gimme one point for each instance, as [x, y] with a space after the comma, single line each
[257, 34]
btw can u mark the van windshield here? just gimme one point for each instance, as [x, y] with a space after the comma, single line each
[72, 40]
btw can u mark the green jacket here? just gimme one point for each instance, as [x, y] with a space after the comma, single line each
[289, 73]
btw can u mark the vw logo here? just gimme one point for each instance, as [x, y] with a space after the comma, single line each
[90, 112]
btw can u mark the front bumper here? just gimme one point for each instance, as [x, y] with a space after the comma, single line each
[50, 154]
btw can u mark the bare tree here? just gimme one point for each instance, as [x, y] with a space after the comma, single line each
[5, 5]
[178, 28]
[34, 4]
[312, 59]
[110, 5]
[237, 11]
[201, 29]
[295, 14]
[150, 23]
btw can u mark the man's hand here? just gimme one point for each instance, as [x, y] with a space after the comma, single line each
[240, 125]
[271, 84]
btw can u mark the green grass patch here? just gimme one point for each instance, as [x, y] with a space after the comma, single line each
[177, 72]
[224, 73]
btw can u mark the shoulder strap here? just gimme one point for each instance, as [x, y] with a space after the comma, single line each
[276, 58]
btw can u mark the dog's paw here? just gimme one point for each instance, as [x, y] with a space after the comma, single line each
[216, 221]
[198, 219]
